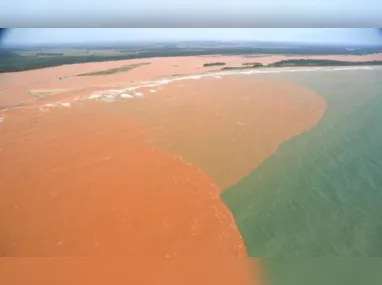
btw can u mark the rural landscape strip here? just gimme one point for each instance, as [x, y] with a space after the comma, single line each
[13, 60]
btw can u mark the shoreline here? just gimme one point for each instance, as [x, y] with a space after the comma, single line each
[112, 93]
[20, 87]
[285, 56]
[130, 90]
[131, 82]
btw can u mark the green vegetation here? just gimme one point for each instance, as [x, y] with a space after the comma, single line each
[49, 53]
[320, 194]
[213, 64]
[178, 75]
[13, 60]
[257, 65]
[301, 63]
[320, 62]
[252, 64]
[114, 70]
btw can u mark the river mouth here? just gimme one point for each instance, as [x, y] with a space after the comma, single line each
[142, 175]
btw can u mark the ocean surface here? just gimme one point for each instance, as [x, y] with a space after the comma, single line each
[313, 210]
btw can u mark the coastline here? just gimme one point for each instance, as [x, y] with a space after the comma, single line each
[20, 87]
[130, 90]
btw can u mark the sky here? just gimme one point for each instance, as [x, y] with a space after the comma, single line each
[41, 36]
[191, 13]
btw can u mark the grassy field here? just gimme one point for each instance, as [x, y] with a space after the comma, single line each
[319, 196]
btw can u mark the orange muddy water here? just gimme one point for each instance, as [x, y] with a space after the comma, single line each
[82, 182]
[226, 126]
[141, 177]
[142, 271]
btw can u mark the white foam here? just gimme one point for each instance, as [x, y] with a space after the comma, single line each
[163, 81]
[125, 95]
[66, 104]
[94, 96]
[138, 94]
[115, 91]
[112, 94]
[107, 99]
[109, 95]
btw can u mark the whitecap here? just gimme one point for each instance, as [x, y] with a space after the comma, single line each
[110, 95]
[138, 94]
[66, 104]
[94, 96]
[125, 95]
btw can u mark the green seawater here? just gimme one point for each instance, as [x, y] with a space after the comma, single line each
[313, 209]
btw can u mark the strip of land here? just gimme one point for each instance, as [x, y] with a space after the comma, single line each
[41, 93]
[12, 60]
[17, 85]
[321, 62]
[114, 70]
[213, 64]
[303, 63]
